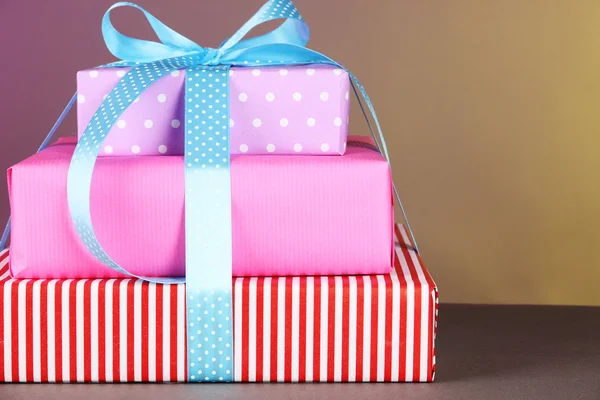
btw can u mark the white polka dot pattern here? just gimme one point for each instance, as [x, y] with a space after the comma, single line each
[208, 224]
[269, 97]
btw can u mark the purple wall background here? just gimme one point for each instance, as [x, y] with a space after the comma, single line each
[490, 110]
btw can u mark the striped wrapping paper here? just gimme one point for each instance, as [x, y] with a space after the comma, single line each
[342, 328]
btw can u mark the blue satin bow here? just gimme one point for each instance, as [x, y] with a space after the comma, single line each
[207, 179]
[284, 45]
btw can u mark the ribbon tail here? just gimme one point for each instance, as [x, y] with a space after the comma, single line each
[79, 178]
[5, 235]
[58, 122]
[49, 137]
[381, 145]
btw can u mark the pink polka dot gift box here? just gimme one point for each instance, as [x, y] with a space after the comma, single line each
[273, 110]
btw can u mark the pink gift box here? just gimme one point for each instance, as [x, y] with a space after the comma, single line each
[279, 110]
[310, 215]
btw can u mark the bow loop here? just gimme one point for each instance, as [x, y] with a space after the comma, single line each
[293, 31]
[138, 50]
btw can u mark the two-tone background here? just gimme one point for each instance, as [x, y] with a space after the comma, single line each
[491, 110]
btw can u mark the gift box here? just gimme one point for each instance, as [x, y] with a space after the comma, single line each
[280, 110]
[287, 329]
[309, 215]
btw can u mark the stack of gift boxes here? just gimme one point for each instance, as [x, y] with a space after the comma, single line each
[325, 287]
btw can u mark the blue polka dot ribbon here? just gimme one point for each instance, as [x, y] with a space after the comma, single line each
[207, 159]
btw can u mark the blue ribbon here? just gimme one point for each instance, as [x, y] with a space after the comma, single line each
[207, 173]
[47, 139]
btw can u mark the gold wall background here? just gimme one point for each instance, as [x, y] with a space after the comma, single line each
[491, 110]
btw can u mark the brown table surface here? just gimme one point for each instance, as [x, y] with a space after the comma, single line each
[484, 352]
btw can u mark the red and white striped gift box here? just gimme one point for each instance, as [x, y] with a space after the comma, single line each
[287, 329]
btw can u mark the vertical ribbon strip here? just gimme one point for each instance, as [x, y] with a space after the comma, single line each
[208, 225]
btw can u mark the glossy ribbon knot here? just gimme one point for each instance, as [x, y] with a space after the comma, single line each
[211, 57]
